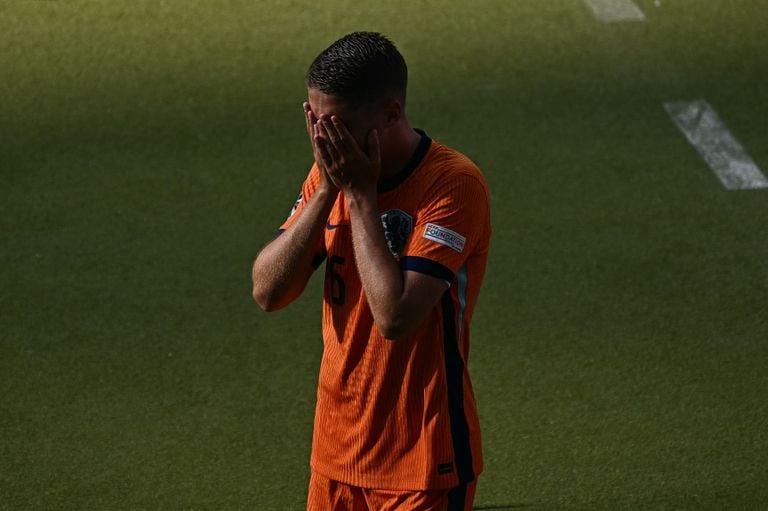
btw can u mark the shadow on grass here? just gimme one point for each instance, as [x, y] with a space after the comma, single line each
[499, 506]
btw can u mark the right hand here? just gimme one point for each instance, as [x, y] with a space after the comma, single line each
[325, 181]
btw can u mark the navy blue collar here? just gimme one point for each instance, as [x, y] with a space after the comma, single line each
[417, 157]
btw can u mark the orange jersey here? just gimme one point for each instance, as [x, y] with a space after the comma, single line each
[401, 415]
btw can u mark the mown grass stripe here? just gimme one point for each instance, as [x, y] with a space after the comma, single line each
[720, 149]
[612, 11]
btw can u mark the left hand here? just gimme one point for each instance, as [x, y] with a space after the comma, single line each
[351, 169]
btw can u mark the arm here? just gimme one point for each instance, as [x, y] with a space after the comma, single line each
[282, 269]
[399, 301]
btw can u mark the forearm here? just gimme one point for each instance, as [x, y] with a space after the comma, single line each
[380, 274]
[282, 269]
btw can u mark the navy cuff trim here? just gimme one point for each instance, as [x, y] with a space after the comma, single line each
[427, 267]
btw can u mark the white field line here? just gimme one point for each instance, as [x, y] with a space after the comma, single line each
[723, 153]
[611, 11]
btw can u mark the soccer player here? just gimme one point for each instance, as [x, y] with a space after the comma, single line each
[403, 225]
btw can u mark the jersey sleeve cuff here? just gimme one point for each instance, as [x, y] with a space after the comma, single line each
[427, 267]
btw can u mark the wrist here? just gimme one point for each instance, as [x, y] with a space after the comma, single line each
[326, 193]
[357, 198]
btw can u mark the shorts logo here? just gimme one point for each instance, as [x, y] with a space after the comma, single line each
[445, 236]
[398, 226]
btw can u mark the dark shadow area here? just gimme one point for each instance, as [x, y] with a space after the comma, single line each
[500, 506]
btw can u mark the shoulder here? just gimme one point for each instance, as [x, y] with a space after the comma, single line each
[312, 180]
[314, 175]
[449, 171]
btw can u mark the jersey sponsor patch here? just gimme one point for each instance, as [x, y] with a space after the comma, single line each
[445, 236]
[398, 226]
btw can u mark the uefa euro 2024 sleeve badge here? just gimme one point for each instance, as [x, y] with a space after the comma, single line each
[398, 225]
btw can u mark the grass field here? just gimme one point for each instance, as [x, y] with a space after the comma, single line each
[148, 149]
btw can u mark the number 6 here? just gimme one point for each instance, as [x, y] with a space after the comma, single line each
[337, 283]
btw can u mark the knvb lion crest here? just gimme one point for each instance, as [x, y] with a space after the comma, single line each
[398, 225]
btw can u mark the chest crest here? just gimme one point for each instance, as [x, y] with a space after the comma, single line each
[398, 226]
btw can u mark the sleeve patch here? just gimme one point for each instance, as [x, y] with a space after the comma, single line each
[445, 236]
[296, 204]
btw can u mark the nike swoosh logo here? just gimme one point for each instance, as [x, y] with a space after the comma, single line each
[331, 226]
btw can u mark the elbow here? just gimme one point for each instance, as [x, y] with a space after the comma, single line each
[264, 293]
[394, 329]
[265, 300]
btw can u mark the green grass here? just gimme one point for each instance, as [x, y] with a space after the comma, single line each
[148, 150]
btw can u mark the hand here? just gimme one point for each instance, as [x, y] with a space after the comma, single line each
[350, 168]
[325, 181]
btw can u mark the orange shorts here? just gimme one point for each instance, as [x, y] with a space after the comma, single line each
[329, 495]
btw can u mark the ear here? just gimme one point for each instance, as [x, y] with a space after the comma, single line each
[393, 112]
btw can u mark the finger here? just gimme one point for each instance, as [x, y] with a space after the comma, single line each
[374, 149]
[322, 150]
[333, 134]
[323, 132]
[314, 136]
[308, 121]
[345, 137]
[309, 115]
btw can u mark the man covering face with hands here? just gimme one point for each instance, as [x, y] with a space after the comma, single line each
[402, 223]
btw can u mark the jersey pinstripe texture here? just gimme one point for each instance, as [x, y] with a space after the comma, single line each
[401, 415]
